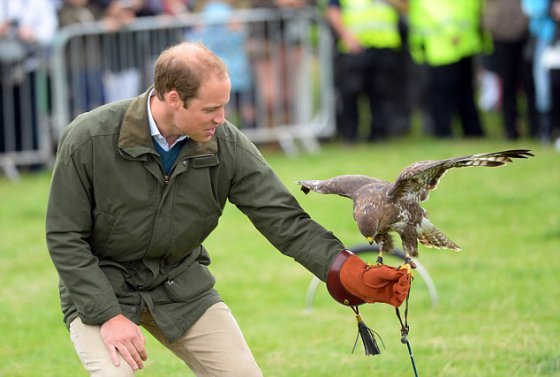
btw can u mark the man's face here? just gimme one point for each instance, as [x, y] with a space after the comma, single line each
[205, 112]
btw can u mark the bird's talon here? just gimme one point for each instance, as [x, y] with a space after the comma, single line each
[379, 261]
[408, 265]
[409, 261]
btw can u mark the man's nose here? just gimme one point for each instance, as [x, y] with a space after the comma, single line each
[220, 116]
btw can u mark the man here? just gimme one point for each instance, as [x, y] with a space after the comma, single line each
[370, 62]
[137, 187]
[446, 36]
[508, 27]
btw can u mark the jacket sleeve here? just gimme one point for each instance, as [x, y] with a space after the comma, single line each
[68, 228]
[259, 193]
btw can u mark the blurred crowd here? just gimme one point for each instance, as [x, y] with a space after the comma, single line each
[447, 61]
[443, 60]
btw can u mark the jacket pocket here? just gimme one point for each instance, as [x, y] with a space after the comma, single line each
[117, 275]
[192, 282]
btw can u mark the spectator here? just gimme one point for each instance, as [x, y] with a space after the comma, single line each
[83, 66]
[509, 27]
[122, 78]
[370, 62]
[274, 50]
[445, 35]
[31, 25]
[228, 39]
[554, 64]
[542, 27]
[159, 40]
[75, 12]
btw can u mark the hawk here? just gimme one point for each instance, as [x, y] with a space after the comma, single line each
[381, 207]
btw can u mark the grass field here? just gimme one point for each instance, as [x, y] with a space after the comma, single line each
[498, 312]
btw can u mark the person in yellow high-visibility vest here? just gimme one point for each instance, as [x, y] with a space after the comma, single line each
[370, 62]
[446, 36]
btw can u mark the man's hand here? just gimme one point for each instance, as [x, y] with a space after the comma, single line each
[121, 335]
[352, 43]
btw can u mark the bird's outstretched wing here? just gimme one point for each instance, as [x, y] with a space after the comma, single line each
[418, 179]
[343, 185]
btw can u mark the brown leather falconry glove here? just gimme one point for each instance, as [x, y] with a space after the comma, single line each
[352, 282]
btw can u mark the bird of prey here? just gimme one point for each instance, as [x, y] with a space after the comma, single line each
[381, 207]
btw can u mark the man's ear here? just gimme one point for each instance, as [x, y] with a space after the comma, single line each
[173, 100]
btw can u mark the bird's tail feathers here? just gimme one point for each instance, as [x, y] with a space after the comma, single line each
[433, 237]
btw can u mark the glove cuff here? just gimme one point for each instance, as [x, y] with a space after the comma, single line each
[334, 284]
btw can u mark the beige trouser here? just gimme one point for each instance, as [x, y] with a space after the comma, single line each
[213, 346]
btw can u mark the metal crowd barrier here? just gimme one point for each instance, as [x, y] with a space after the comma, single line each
[25, 138]
[281, 69]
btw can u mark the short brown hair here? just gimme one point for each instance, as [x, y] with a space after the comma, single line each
[185, 67]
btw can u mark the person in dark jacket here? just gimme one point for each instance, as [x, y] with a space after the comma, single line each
[508, 26]
[137, 187]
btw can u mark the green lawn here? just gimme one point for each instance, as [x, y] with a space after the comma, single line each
[498, 313]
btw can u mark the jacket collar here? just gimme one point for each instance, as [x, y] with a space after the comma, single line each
[135, 138]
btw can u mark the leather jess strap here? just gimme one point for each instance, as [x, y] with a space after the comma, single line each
[334, 285]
